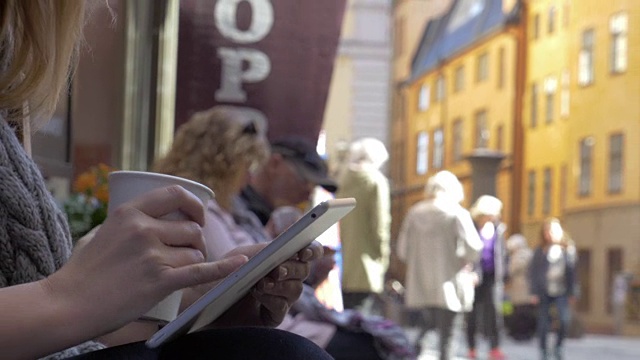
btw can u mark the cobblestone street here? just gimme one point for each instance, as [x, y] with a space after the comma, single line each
[589, 347]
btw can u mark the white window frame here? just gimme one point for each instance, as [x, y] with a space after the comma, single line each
[550, 86]
[422, 153]
[586, 58]
[618, 25]
[424, 97]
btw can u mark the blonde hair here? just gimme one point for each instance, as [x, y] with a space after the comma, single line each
[38, 41]
[216, 147]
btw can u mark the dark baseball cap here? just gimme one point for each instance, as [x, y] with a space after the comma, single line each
[302, 153]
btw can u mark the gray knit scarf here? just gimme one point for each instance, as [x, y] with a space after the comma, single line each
[34, 235]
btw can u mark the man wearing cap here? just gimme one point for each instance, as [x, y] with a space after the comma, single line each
[287, 179]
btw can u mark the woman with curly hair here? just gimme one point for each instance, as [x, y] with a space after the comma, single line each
[219, 148]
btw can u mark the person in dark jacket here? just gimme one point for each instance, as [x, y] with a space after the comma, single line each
[552, 279]
[491, 270]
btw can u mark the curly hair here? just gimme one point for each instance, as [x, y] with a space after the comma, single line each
[216, 147]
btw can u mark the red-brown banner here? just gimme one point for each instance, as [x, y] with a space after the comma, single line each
[273, 58]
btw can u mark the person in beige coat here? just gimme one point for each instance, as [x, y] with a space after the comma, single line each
[365, 232]
[438, 242]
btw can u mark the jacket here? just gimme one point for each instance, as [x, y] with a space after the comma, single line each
[438, 241]
[365, 232]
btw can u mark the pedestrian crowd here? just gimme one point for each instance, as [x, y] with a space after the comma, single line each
[462, 271]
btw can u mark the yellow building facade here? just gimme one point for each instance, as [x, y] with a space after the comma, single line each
[559, 100]
[582, 136]
[462, 103]
[409, 19]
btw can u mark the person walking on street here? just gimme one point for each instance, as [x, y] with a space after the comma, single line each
[552, 278]
[438, 242]
[365, 232]
[491, 272]
[521, 322]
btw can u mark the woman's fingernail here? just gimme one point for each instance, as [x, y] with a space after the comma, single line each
[282, 272]
[269, 284]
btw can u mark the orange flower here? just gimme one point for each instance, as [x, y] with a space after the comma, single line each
[104, 169]
[102, 193]
[85, 183]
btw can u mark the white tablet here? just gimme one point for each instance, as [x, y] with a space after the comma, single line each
[215, 302]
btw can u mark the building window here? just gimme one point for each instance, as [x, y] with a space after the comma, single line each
[614, 267]
[585, 60]
[584, 274]
[457, 140]
[534, 105]
[424, 97]
[551, 22]
[531, 208]
[618, 28]
[440, 88]
[550, 86]
[536, 26]
[501, 68]
[422, 153]
[500, 138]
[482, 130]
[482, 67]
[586, 158]
[616, 158]
[565, 97]
[459, 79]
[438, 149]
[546, 198]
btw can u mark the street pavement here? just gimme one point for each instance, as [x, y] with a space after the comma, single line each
[589, 347]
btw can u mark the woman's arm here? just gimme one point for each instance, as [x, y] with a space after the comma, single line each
[133, 262]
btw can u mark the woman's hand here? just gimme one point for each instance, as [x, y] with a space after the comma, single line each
[270, 299]
[135, 260]
[320, 268]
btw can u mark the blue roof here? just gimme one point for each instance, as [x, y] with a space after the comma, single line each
[466, 22]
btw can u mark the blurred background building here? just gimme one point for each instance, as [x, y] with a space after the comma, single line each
[550, 85]
[521, 78]
[358, 103]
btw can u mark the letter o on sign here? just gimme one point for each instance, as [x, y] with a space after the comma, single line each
[261, 20]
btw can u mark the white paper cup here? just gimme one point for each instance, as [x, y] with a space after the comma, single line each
[126, 185]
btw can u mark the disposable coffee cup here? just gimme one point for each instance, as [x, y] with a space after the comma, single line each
[125, 186]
